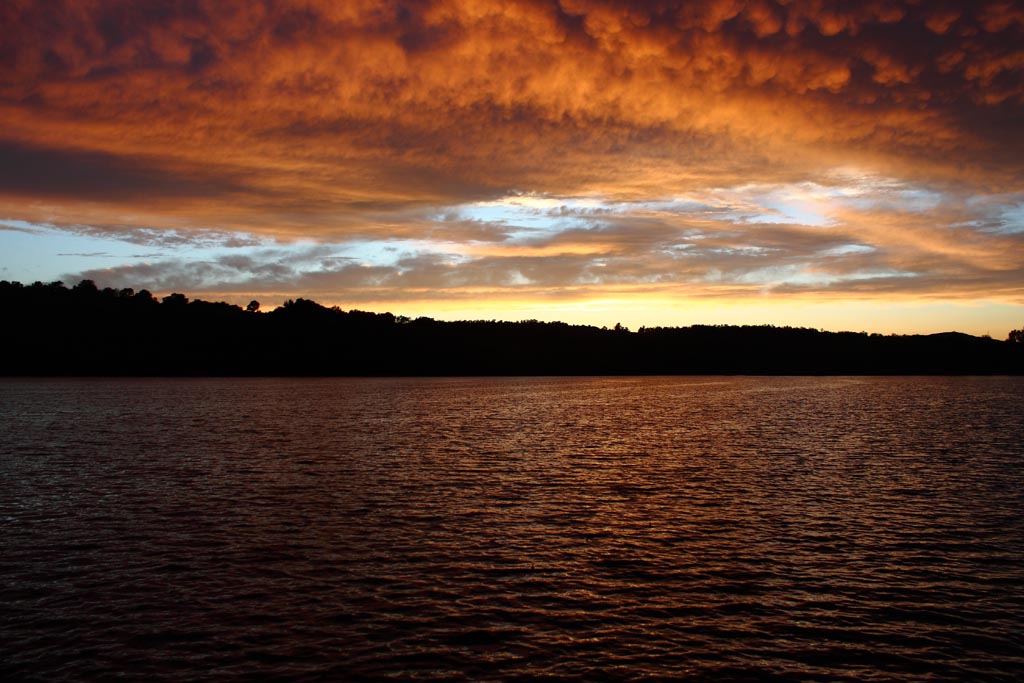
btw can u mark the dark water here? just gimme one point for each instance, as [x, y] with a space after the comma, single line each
[812, 529]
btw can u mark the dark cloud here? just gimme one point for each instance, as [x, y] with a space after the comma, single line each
[33, 172]
[9, 227]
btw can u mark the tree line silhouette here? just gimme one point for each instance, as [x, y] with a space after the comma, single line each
[83, 330]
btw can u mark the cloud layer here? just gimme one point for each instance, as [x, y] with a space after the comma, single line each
[889, 132]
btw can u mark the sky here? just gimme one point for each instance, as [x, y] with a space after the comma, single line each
[837, 165]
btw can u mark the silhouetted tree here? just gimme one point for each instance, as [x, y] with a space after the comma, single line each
[253, 307]
[121, 332]
[86, 287]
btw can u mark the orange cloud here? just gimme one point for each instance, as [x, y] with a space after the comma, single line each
[351, 97]
[328, 121]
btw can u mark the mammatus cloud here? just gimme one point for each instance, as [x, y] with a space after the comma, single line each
[889, 133]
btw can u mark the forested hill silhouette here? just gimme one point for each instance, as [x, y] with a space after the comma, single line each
[53, 330]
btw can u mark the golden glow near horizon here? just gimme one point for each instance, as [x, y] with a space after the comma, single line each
[808, 162]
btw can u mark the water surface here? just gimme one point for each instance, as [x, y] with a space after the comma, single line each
[814, 529]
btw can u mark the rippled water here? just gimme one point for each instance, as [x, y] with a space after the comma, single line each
[512, 529]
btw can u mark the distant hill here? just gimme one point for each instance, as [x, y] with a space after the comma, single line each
[54, 330]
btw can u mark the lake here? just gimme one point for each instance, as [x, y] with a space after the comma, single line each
[692, 528]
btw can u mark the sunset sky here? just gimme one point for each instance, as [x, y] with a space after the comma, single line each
[842, 165]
